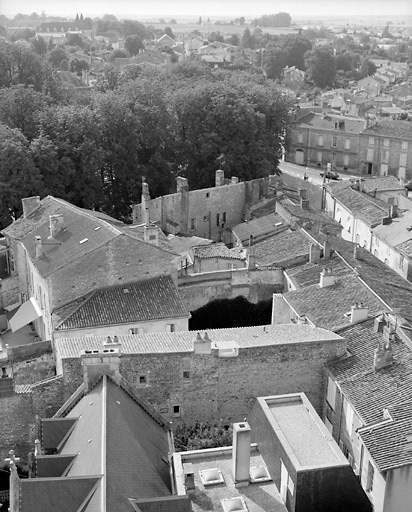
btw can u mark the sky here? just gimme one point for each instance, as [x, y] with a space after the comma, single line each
[225, 8]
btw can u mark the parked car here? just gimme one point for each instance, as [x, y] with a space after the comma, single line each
[330, 175]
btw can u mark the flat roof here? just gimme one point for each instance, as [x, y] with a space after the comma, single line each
[308, 439]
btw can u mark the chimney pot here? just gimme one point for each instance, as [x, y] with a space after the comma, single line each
[314, 253]
[202, 346]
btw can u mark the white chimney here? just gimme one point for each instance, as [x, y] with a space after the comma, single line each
[151, 234]
[56, 224]
[359, 313]
[30, 204]
[39, 247]
[327, 278]
[242, 437]
[98, 362]
[202, 345]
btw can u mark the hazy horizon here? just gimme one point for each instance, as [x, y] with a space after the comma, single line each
[208, 8]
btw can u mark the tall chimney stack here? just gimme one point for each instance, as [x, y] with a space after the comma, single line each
[39, 247]
[242, 436]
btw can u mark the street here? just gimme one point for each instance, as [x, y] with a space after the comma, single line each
[313, 174]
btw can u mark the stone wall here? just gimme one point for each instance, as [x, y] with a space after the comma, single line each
[190, 387]
[9, 291]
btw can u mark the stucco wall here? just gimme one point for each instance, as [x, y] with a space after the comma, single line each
[398, 490]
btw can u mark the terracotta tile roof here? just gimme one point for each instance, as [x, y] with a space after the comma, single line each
[280, 249]
[137, 231]
[218, 250]
[390, 442]
[260, 227]
[311, 214]
[391, 129]
[327, 122]
[363, 206]
[152, 299]
[370, 391]
[182, 341]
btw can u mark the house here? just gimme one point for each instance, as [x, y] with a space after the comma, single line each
[58, 253]
[368, 410]
[372, 85]
[165, 40]
[257, 229]
[105, 428]
[56, 32]
[153, 305]
[385, 147]
[214, 257]
[392, 243]
[302, 457]
[184, 245]
[293, 74]
[319, 139]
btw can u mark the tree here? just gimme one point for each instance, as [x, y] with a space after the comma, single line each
[234, 40]
[367, 68]
[295, 48]
[343, 63]
[133, 44]
[56, 56]
[18, 176]
[281, 19]
[168, 31]
[215, 36]
[20, 65]
[274, 61]
[248, 41]
[320, 67]
[39, 45]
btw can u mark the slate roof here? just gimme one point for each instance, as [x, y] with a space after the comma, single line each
[260, 227]
[391, 129]
[327, 122]
[367, 208]
[149, 300]
[280, 249]
[390, 442]
[182, 341]
[326, 307]
[370, 391]
[218, 250]
[132, 438]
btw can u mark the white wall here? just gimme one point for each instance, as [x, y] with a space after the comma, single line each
[398, 490]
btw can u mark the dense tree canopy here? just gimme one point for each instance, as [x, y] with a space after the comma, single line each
[320, 67]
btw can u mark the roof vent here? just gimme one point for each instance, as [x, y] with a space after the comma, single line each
[83, 241]
[259, 474]
[234, 504]
[126, 290]
[211, 477]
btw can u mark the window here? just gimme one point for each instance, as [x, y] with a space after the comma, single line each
[336, 125]
[192, 224]
[386, 143]
[170, 328]
[224, 217]
[348, 416]
[402, 160]
[401, 261]
[300, 137]
[334, 142]
[320, 157]
[347, 143]
[320, 140]
[176, 411]
[371, 141]
[331, 395]
[142, 379]
[346, 160]
[207, 194]
[205, 218]
[369, 156]
[404, 145]
[369, 478]
[385, 156]
[218, 219]
[186, 374]
[136, 330]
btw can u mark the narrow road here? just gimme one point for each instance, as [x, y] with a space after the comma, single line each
[313, 174]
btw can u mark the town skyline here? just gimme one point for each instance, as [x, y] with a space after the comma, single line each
[126, 8]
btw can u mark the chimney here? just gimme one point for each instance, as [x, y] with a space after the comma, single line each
[388, 333]
[327, 278]
[219, 178]
[251, 260]
[357, 252]
[56, 224]
[30, 204]
[39, 247]
[382, 356]
[304, 204]
[234, 180]
[189, 477]
[37, 448]
[393, 211]
[242, 436]
[100, 362]
[358, 313]
[302, 193]
[151, 234]
[314, 253]
[386, 221]
[202, 346]
[379, 324]
[145, 201]
[326, 249]
[183, 189]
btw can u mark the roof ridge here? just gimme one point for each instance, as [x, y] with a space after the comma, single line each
[90, 295]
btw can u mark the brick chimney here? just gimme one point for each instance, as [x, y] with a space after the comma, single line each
[39, 247]
[219, 178]
[314, 253]
[358, 313]
[302, 193]
[326, 249]
[202, 346]
[56, 224]
[327, 278]
[386, 220]
[30, 204]
[304, 203]
[99, 362]
[383, 355]
[242, 436]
